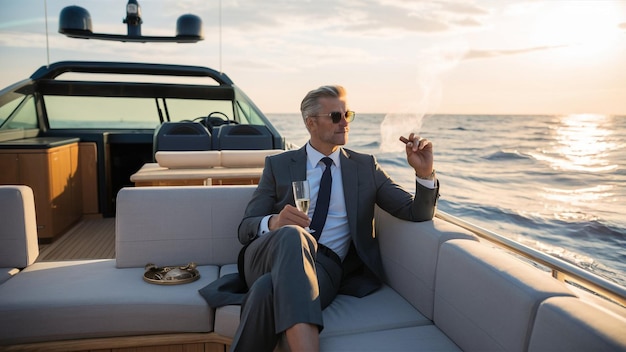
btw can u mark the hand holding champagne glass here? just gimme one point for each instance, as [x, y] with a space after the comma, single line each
[301, 194]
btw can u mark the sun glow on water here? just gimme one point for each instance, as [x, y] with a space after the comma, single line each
[581, 143]
[581, 147]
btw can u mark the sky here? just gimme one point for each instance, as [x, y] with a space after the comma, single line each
[392, 56]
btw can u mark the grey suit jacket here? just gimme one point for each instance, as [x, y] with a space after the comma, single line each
[365, 185]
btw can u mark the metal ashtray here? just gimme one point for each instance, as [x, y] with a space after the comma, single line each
[171, 275]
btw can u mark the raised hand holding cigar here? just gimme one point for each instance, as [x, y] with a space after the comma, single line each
[419, 154]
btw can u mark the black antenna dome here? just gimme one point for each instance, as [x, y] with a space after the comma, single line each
[189, 26]
[75, 19]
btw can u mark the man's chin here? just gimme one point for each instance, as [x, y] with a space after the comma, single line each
[343, 141]
[341, 138]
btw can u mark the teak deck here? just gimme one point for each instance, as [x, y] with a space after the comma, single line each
[88, 239]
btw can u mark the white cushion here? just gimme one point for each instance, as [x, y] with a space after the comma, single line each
[227, 320]
[486, 299]
[7, 273]
[570, 324]
[177, 225]
[84, 299]
[227, 317]
[417, 338]
[188, 159]
[18, 229]
[383, 309]
[409, 251]
[247, 158]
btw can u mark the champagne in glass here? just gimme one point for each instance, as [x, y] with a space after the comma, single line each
[301, 194]
[303, 205]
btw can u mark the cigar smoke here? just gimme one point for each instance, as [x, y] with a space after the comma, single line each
[432, 63]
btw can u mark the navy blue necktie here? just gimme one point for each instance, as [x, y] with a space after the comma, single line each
[323, 200]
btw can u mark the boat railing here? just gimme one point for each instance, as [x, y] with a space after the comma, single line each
[561, 270]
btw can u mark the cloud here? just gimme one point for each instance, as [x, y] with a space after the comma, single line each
[432, 17]
[468, 22]
[464, 8]
[365, 17]
[483, 54]
[22, 40]
[21, 23]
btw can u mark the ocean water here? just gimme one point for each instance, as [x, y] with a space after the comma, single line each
[553, 183]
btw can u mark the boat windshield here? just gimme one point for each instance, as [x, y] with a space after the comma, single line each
[123, 97]
[124, 112]
[22, 113]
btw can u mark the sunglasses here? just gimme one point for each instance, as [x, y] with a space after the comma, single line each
[336, 116]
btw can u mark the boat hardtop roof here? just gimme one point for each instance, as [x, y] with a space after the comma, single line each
[56, 69]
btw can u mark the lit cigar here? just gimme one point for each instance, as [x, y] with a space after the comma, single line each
[404, 140]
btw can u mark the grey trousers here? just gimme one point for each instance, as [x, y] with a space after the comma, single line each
[290, 283]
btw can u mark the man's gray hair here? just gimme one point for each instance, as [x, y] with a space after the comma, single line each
[310, 104]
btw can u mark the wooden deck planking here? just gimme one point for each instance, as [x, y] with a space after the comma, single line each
[88, 239]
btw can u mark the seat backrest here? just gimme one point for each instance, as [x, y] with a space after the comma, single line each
[177, 225]
[409, 252]
[242, 137]
[571, 324]
[18, 227]
[487, 299]
[181, 136]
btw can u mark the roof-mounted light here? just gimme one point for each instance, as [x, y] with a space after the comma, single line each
[75, 22]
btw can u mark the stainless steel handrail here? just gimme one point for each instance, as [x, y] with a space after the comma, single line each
[561, 270]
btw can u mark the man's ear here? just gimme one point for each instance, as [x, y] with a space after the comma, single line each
[309, 123]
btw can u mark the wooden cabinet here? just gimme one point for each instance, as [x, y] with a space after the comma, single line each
[9, 170]
[52, 173]
[87, 180]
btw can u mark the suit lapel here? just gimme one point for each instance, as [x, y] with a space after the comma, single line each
[297, 167]
[350, 179]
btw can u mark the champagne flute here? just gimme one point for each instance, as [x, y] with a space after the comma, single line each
[301, 194]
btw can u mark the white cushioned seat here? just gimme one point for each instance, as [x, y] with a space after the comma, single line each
[486, 299]
[177, 225]
[409, 251]
[382, 310]
[188, 159]
[213, 158]
[417, 338]
[227, 320]
[570, 324]
[80, 299]
[247, 158]
[7, 273]
[227, 317]
[18, 229]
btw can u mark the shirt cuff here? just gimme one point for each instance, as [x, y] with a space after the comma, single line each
[264, 226]
[427, 183]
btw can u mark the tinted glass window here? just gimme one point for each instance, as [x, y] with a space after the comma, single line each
[19, 113]
[108, 112]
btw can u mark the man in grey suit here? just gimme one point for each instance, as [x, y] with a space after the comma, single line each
[293, 274]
